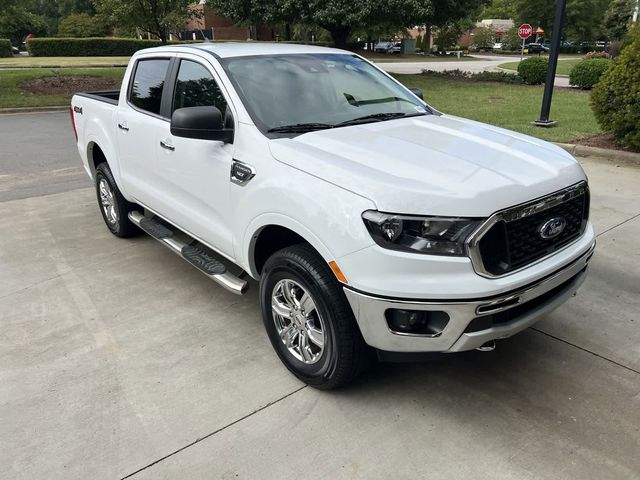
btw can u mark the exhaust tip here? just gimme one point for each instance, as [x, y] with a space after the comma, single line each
[487, 346]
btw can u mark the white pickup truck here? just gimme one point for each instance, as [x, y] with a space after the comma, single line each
[372, 222]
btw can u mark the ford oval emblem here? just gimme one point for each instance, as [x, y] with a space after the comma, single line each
[552, 227]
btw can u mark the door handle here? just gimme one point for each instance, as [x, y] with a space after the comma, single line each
[122, 126]
[166, 145]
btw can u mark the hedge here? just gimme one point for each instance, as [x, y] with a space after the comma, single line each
[615, 98]
[89, 47]
[5, 48]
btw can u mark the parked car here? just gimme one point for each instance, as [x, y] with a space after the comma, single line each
[15, 50]
[370, 221]
[396, 47]
[382, 47]
[497, 46]
[536, 48]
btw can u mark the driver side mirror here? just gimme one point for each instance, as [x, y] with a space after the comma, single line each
[203, 123]
[417, 92]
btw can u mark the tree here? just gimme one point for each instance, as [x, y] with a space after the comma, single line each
[504, 9]
[617, 18]
[339, 17]
[68, 7]
[83, 25]
[342, 17]
[16, 22]
[157, 17]
[511, 41]
[483, 37]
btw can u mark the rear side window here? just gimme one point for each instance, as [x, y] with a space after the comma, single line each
[195, 87]
[148, 82]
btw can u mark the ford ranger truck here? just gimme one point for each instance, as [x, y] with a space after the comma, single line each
[371, 221]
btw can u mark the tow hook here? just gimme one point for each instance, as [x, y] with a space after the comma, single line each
[487, 346]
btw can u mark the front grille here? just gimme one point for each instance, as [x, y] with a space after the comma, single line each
[515, 240]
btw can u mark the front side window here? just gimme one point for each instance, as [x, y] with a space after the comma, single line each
[195, 87]
[148, 82]
[317, 91]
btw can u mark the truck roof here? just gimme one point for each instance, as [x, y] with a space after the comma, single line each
[241, 49]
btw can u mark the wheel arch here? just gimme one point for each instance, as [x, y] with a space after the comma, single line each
[274, 233]
[95, 156]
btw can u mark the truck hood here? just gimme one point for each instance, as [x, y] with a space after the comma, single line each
[432, 165]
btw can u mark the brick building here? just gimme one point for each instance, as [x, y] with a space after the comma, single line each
[216, 27]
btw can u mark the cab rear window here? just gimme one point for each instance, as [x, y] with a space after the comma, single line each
[148, 83]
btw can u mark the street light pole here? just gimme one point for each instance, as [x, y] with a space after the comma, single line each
[553, 63]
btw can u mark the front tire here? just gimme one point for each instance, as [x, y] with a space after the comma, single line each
[113, 206]
[308, 319]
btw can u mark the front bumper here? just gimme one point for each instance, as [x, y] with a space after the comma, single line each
[510, 313]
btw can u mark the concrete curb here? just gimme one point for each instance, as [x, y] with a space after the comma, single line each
[615, 155]
[60, 108]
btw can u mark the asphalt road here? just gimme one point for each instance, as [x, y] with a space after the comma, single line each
[118, 359]
[38, 156]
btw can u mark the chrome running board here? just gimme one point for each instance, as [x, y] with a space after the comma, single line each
[198, 256]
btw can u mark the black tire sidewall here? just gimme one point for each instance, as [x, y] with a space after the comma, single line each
[123, 226]
[285, 267]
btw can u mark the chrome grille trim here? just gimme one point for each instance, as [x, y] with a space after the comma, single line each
[516, 213]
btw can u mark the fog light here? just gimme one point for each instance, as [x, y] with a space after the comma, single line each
[417, 322]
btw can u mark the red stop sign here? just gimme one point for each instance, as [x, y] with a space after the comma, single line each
[525, 30]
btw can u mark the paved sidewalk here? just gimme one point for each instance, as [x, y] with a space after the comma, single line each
[485, 63]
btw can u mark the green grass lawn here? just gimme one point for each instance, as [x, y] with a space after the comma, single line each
[510, 106]
[24, 61]
[564, 65]
[12, 96]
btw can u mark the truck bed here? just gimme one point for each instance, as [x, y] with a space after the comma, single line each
[107, 96]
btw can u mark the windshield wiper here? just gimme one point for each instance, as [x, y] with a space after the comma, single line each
[378, 117]
[300, 128]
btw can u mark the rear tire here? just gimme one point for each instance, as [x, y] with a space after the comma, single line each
[113, 206]
[309, 320]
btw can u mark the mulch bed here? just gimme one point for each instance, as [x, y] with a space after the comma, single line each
[604, 140]
[68, 84]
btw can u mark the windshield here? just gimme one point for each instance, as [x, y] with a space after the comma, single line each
[304, 92]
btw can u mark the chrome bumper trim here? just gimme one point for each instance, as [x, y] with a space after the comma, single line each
[369, 311]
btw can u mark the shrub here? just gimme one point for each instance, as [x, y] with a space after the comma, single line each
[533, 70]
[587, 73]
[88, 47]
[83, 25]
[486, 76]
[5, 48]
[615, 99]
[594, 54]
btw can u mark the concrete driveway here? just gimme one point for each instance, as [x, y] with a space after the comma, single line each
[117, 359]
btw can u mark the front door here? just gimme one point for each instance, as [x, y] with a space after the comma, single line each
[195, 173]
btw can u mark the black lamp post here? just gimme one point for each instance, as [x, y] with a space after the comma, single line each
[553, 63]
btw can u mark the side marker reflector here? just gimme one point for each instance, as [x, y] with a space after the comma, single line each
[338, 273]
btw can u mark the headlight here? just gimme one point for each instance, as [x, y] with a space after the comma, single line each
[431, 235]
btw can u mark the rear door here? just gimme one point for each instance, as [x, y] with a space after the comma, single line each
[139, 117]
[195, 174]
